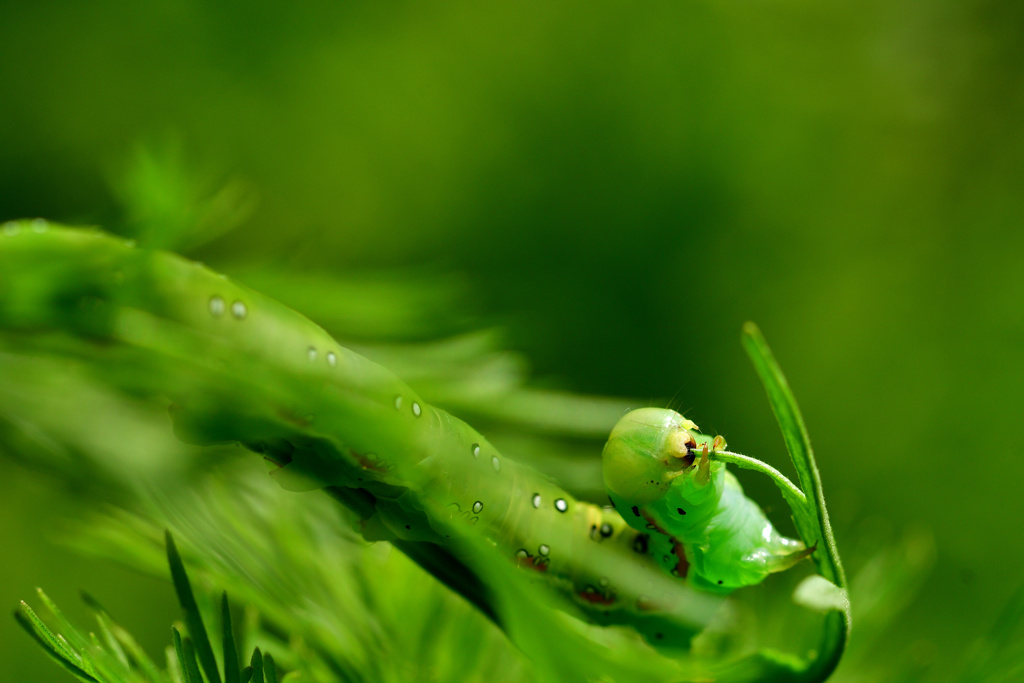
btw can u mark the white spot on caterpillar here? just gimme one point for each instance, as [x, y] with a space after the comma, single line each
[239, 310]
[39, 225]
[478, 506]
[561, 505]
[536, 500]
[416, 410]
[543, 550]
[217, 306]
[332, 359]
[494, 461]
[12, 228]
[475, 450]
[398, 402]
[311, 353]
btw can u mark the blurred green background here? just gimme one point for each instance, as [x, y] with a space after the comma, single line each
[617, 189]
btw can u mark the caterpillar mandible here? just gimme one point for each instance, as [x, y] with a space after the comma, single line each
[661, 478]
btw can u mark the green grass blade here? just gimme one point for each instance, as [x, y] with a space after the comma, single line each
[190, 661]
[62, 621]
[44, 631]
[812, 519]
[78, 641]
[231, 670]
[179, 653]
[110, 642]
[174, 672]
[799, 445]
[269, 668]
[247, 674]
[135, 652]
[34, 626]
[186, 659]
[193, 620]
[124, 645]
[257, 666]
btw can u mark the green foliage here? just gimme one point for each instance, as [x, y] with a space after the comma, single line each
[231, 670]
[336, 609]
[145, 320]
[553, 640]
[618, 187]
[169, 205]
[193, 619]
[115, 656]
[358, 614]
[354, 612]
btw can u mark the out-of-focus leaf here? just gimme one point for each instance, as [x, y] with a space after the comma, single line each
[820, 594]
[998, 655]
[169, 205]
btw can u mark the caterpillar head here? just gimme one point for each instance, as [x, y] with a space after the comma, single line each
[649, 448]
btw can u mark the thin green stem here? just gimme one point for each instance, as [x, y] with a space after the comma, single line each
[792, 494]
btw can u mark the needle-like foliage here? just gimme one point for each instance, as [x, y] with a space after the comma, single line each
[115, 657]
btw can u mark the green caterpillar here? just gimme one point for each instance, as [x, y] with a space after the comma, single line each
[235, 366]
[661, 478]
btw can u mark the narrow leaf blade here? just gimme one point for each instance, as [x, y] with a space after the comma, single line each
[193, 620]
[28, 620]
[190, 661]
[257, 666]
[179, 651]
[811, 519]
[269, 668]
[232, 674]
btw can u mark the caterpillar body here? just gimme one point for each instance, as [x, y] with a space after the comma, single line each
[661, 478]
[236, 366]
